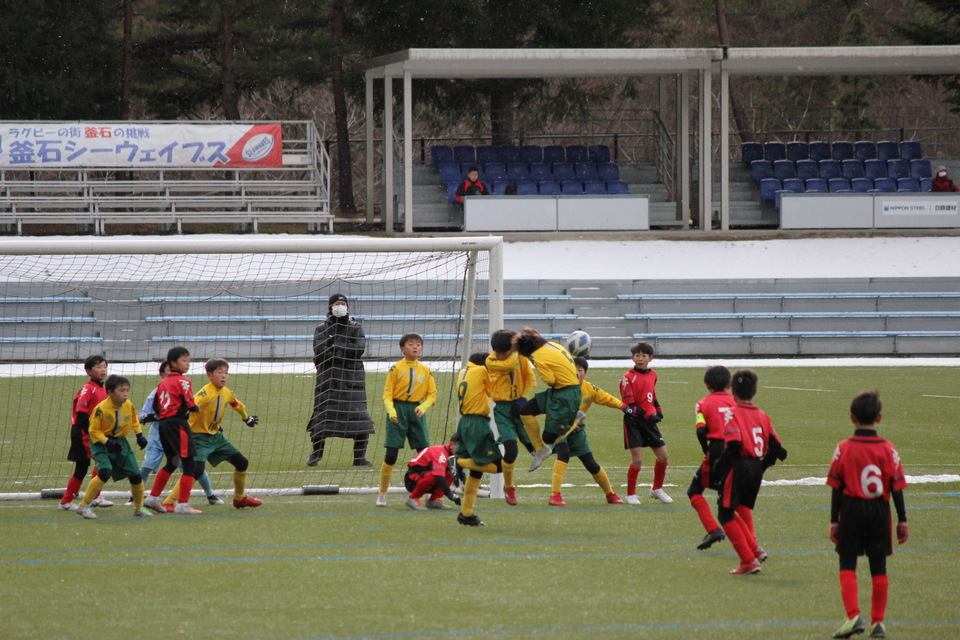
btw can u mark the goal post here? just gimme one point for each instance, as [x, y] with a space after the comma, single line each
[253, 300]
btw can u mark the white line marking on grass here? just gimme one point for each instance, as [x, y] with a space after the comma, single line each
[931, 396]
[802, 389]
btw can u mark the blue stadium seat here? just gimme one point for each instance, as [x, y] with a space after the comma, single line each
[594, 187]
[486, 154]
[571, 187]
[920, 168]
[494, 172]
[861, 185]
[807, 169]
[750, 151]
[819, 150]
[531, 153]
[464, 153]
[887, 150]
[851, 169]
[440, 153]
[841, 150]
[829, 169]
[908, 184]
[553, 154]
[527, 188]
[926, 184]
[774, 151]
[584, 171]
[608, 171]
[449, 172]
[798, 150]
[794, 185]
[577, 153]
[508, 154]
[598, 153]
[618, 187]
[563, 171]
[518, 171]
[897, 169]
[761, 169]
[769, 188]
[874, 169]
[540, 171]
[885, 185]
[499, 187]
[816, 185]
[452, 191]
[838, 185]
[549, 188]
[910, 150]
[864, 150]
[783, 169]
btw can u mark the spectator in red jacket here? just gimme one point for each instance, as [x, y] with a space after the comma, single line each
[941, 182]
[471, 186]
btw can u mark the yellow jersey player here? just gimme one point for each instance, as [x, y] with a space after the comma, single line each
[476, 449]
[109, 424]
[407, 394]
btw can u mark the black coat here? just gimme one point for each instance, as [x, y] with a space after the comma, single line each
[340, 397]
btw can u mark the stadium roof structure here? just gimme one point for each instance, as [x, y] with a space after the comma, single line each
[593, 63]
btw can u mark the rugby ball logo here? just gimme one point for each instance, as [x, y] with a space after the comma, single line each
[258, 147]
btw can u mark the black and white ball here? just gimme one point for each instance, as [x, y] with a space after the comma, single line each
[578, 344]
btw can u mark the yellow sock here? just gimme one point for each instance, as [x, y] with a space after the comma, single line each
[468, 463]
[508, 468]
[174, 494]
[137, 491]
[532, 428]
[559, 471]
[603, 481]
[386, 473]
[239, 484]
[470, 489]
[96, 484]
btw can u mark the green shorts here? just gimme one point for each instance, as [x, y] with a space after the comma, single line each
[213, 448]
[409, 426]
[121, 465]
[510, 428]
[475, 440]
[560, 406]
[578, 443]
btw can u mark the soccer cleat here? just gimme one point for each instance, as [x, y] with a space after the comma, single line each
[539, 456]
[381, 500]
[510, 495]
[314, 458]
[470, 521]
[142, 512]
[154, 503]
[632, 498]
[876, 630]
[711, 539]
[661, 495]
[246, 501]
[746, 569]
[86, 512]
[101, 502]
[556, 500]
[761, 554]
[67, 506]
[850, 627]
[613, 498]
[214, 500]
[129, 501]
[185, 509]
[362, 462]
[414, 504]
[437, 504]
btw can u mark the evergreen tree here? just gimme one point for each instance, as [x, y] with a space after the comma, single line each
[852, 98]
[940, 25]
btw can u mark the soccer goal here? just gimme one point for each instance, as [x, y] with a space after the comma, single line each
[255, 301]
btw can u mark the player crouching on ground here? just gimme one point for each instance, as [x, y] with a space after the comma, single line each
[429, 473]
[111, 421]
[476, 448]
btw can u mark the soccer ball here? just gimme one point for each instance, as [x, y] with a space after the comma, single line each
[578, 344]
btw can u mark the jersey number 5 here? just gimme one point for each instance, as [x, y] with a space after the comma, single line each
[758, 441]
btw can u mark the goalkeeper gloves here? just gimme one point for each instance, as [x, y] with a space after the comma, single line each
[150, 417]
[903, 532]
[631, 410]
[782, 454]
[141, 441]
[251, 421]
[835, 532]
[113, 445]
[654, 417]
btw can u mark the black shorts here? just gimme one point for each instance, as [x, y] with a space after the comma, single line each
[176, 438]
[864, 529]
[413, 476]
[741, 484]
[79, 444]
[640, 433]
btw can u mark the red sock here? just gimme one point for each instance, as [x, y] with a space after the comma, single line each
[848, 591]
[73, 488]
[632, 474]
[738, 539]
[702, 507]
[878, 599]
[659, 471]
[159, 483]
[747, 527]
[186, 486]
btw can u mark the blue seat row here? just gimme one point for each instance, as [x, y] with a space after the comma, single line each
[769, 187]
[850, 169]
[840, 150]
[552, 188]
[507, 154]
[536, 171]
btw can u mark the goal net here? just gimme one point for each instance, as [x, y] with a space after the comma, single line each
[255, 301]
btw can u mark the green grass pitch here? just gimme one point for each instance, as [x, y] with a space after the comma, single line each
[337, 567]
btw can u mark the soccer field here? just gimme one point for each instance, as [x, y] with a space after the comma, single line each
[336, 567]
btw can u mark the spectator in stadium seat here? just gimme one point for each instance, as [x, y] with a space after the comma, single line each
[471, 186]
[941, 182]
[340, 396]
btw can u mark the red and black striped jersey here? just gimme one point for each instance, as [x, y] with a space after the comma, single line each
[713, 412]
[90, 395]
[752, 428]
[174, 396]
[866, 467]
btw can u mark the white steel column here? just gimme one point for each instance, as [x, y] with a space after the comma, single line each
[371, 176]
[683, 148]
[407, 153]
[706, 174]
[724, 150]
[388, 153]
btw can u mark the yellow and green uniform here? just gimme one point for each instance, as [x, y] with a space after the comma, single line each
[409, 386]
[477, 449]
[562, 400]
[576, 440]
[212, 446]
[510, 379]
[109, 421]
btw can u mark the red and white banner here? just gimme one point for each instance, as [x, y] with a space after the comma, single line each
[137, 144]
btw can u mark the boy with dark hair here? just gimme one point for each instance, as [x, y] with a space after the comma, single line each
[476, 448]
[865, 473]
[713, 412]
[751, 445]
[576, 441]
[471, 186]
[111, 421]
[429, 474]
[407, 394]
[638, 390]
[90, 395]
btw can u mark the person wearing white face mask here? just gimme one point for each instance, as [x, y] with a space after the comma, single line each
[941, 182]
[340, 396]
